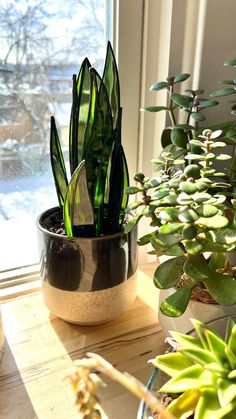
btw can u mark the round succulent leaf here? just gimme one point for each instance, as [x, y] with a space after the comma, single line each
[169, 214]
[159, 86]
[134, 205]
[231, 132]
[193, 156]
[154, 109]
[188, 216]
[221, 185]
[215, 134]
[207, 104]
[215, 222]
[222, 289]
[169, 273]
[188, 187]
[193, 246]
[170, 199]
[132, 190]
[197, 143]
[223, 92]
[206, 210]
[218, 144]
[181, 77]
[201, 197]
[209, 156]
[202, 186]
[174, 183]
[189, 232]
[198, 116]
[179, 137]
[149, 209]
[223, 157]
[132, 223]
[184, 199]
[162, 242]
[170, 228]
[176, 304]
[165, 137]
[192, 170]
[182, 100]
[139, 176]
[196, 267]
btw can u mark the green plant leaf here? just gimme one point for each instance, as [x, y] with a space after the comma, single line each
[132, 190]
[110, 79]
[193, 247]
[179, 137]
[184, 406]
[169, 214]
[188, 216]
[207, 103]
[182, 100]
[176, 304]
[223, 92]
[79, 114]
[181, 77]
[132, 223]
[172, 363]
[215, 222]
[77, 207]
[169, 273]
[196, 267]
[206, 210]
[166, 137]
[222, 288]
[58, 164]
[170, 228]
[198, 116]
[208, 406]
[226, 391]
[159, 86]
[154, 108]
[230, 63]
[193, 377]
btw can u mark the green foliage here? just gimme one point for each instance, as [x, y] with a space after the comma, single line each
[191, 217]
[93, 201]
[203, 373]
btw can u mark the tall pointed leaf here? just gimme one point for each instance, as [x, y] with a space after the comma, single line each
[77, 208]
[111, 80]
[79, 114]
[58, 164]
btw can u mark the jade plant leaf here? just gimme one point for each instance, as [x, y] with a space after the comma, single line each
[77, 207]
[58, 164]
[169, 273]
[182, 100]
[159, 85]
[176, 304]
[196, 267]
[79, 114]
[222, 288]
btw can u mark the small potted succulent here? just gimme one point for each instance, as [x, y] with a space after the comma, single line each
[88, 263]
[192, 214]
[202, 367]
[203, 373]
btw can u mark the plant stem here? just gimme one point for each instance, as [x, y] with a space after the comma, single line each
[134, 386]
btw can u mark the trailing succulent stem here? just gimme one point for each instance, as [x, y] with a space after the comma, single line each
[193, 222]
[203, 373]
[93, 201]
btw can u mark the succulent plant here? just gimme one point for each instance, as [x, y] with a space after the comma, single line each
[192, 104]
[193, 222]
[203, 373]
[93, 201]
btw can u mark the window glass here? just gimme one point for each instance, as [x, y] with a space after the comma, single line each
[42, 44]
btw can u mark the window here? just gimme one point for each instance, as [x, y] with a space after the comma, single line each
[42, 44]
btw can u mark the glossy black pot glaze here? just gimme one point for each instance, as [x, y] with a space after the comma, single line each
[85, 264]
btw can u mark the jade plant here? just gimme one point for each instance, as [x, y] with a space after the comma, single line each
[93, 201]
[203, 373]
[192, 212]
[191, 104]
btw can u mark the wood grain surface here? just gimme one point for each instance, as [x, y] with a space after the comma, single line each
[40, 348]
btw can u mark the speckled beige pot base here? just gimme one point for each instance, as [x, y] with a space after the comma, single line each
[90, 308]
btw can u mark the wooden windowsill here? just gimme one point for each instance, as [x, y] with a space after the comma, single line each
[40, 348]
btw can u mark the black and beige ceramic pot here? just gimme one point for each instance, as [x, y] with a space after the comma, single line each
[87, 280]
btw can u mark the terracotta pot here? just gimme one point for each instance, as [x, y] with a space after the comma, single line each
[87, 280]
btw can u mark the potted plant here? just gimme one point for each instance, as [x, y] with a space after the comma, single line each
[88, 262]
[202, 370]
[192, 212]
